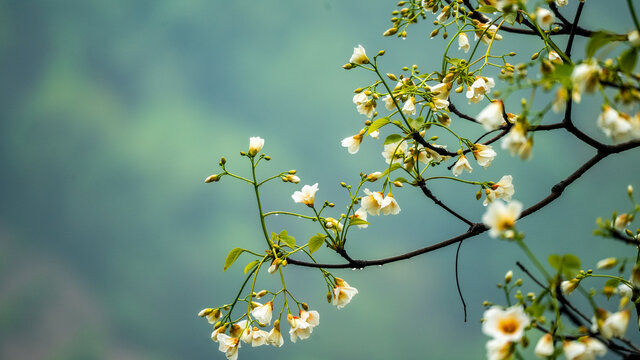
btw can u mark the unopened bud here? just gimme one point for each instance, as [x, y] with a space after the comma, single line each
[343, 184]
[568, 286]
[518, 282]
[205, 312]
[305, 306]
[267, 157]
[212, 178]
[261, 293]
[607, 263]
[448, 78]
[358, 90]
[435, 32]
[397, 184]
[392, 77]
[292, 172]
[630, 191]
[284, 263]
[381, 52]
[508, 277]
[329, 297]
[445, 35]
[242, 153]
[223, 160]
[535, 56]
[347, 66]
[374, 176]
[332, 204]
[479, 195]
[486, 303]
[390, 31]
[512, 54]
[459, 89]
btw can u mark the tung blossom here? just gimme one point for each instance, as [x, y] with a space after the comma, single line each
[440, 94]
[361, 214]
[389, 205]
[481, 86]
[503, 189]
[544, 18]
[501, 217]
[342, 293]
[460, 165]
[517, 142]
[615, 124]
[487, 35]
[484, 154]
[352, 143]
[372, 202]
[585, 78]
[263, 313]
[389, 104]
[615, 325]
[395, 152]
[463, 42]
[229, 346]
[544, 347]
[409, 107]
[491, 117]
[359, 56]
[364, 105]
[505, 324]
[275, 337]
[498, 349]
[306, 195]
[255, 145]
[302, 326]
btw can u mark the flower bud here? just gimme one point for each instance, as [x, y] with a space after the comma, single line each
[381, 52]
[223, 161]
[212, 178]
[343, 184]
[397, 184]
[392, 77]
[390, 31]
[255, 145]
[305, 306]
[630, 191]
[518, 282]
[261, 293]
[374, 176]
[347, 66]
[205, 312]
[607, 263]
[508, 277]
[329, 297]
[434, 33]
[535, 56]
[568, 286]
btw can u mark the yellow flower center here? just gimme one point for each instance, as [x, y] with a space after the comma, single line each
[508, 325]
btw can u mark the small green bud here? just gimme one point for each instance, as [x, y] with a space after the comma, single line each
[212, 178]
[329, 297]
[242, 153]
[381, 52]
[347, 66]
[512, 54]
[343, 184]
[435, 32]
[509, 275]
[267, 157]
[223, 160]
[305, 306]
[292, 172]
[392, 77]
[390, 31]
[535, 56]
[518, 282]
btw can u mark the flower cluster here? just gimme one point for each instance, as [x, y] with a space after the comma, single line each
[506, 327]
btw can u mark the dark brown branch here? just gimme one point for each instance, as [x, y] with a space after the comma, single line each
[558, 14]
[464, 305]
[460, 114]
[437, 201]
[574, 27]
[546, 127]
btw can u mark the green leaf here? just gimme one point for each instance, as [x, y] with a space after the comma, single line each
[316, 242]
[571, 261]
[486, 9]
[555, 261]
[287, 239]
[417, 122]
[393, 138]
[357, 221]
[250, 266]
[377, 125]
[391, 169]
[598, 40]
[628, 60]
[232, 257]
[569, 264]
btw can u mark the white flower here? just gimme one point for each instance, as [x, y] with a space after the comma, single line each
[229, 346]
[372, 203]
[484, 154]
[479, 88]
[263, 313]
[359, 56]
[498, 349]
[364, 105]
[614, 124]
[615, 325]
[374, 134]
[394, 152]
[440, 94]
[574, 350]
[409, 107]
[361, 214]
[292, 179]
[342, 293]
[216, 332]
[212, 315]
[460, 165]
[634, 38]
[505, 324]
[491, 117]
[562, 3]
[433, 8]
[501, 217]
[360, 98]
[302, 326]
[307, 195]
[503, 189]
[567, 286]
[584, 78]
[443, 16]
[352, 143]
[488, 35]
[463, 42]
[389, 205]
[275, 337]
[594, 347]
[544, 18]
[607, 263]
[544, 347]
[517, 143]
[255, 145]
[554, 57]
[625, 291]
[560, 100]
[388, 103]
[258, 337]
[238, 328]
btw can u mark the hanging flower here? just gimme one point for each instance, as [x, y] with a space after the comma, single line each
[505, 324]
[460, 165]
[409, 107]
[544, 347]
[275, 337]
[359, 56]
[342, 293]
[372, 203]
[501, 217]
[491, 117]
[615, 124]
[584, 78]
[554, 57]
[499, 349]
[361, 214]
[440, 94]
[615, 325]
[517, 142]
[352, 143]
[263, 313]
[229, 346]
[479, 89]
[484, 154]
[488, 35]
[306, 195]
[216, 332]
[389, 205]
[302, 326]
[212, 315]
[394, 152]
[463, 42]
[388, 103]
[560, 100]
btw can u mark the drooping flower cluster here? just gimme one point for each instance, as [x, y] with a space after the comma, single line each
[506, 327]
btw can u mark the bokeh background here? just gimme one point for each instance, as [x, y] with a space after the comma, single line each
[112, 113]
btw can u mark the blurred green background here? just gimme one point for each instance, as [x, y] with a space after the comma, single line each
[114, 112]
